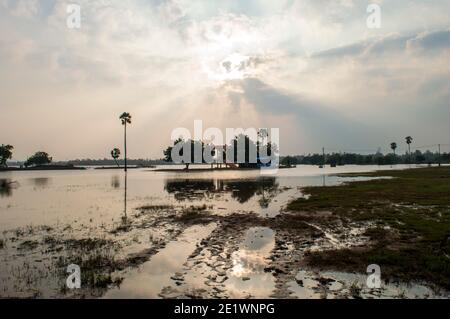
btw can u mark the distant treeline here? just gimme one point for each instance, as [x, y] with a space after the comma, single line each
[106, 161]
[416, 157]
[103, 162]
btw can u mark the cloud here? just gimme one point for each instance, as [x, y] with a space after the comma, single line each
[430, 41]
[391, 44]
[21, 8]
[314, 120]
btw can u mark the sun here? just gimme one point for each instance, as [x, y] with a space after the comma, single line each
[232, 67]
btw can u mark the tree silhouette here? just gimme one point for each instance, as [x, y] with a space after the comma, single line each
[262, 134]
[393, 147]
[242, 150]
[115, 154]
[409, 140]
[190, 146]
[125, 119]
[243, 145]
[5, 154]
[39, 158]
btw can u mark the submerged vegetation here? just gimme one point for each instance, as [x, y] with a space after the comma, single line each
[195, 215]
[96, 257]
[411, 210]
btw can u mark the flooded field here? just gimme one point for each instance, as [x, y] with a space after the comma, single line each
[147, 234]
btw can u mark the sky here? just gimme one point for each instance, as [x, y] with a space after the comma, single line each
[311, 68]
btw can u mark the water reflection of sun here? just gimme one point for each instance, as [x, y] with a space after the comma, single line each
[247, 262]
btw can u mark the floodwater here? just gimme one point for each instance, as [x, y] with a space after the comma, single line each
[97, 196]
[173, 262]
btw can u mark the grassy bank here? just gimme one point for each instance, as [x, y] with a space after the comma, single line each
[410, 212]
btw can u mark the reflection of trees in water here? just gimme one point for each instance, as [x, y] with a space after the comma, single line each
[6, 187]
[124, 218]
[190, 189]
[115, 181]
[241, 190]
[41, 181]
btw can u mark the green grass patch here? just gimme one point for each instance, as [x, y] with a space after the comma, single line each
[415, 204]
[405, 264]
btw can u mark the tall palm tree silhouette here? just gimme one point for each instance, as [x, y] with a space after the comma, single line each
[126, 119]
[409, 140]
[115, 154]
[394, 146]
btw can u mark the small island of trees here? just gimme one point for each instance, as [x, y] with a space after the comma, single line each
[241, 152]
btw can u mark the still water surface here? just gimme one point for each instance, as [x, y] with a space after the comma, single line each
[98, 196]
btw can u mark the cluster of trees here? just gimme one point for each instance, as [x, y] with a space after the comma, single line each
[39, 158]
[242, 150]
[5, 154]
[190, 146]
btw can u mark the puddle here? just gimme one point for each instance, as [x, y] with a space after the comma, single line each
[304, 287]
[247, 278]
[150, 278]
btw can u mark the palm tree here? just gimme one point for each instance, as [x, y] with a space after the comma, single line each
[125, 118]
[409, 140]
[394, 146]
[115, 154]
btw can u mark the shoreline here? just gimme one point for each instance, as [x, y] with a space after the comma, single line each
[196, 170]
[42, 168]
[120, 168]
